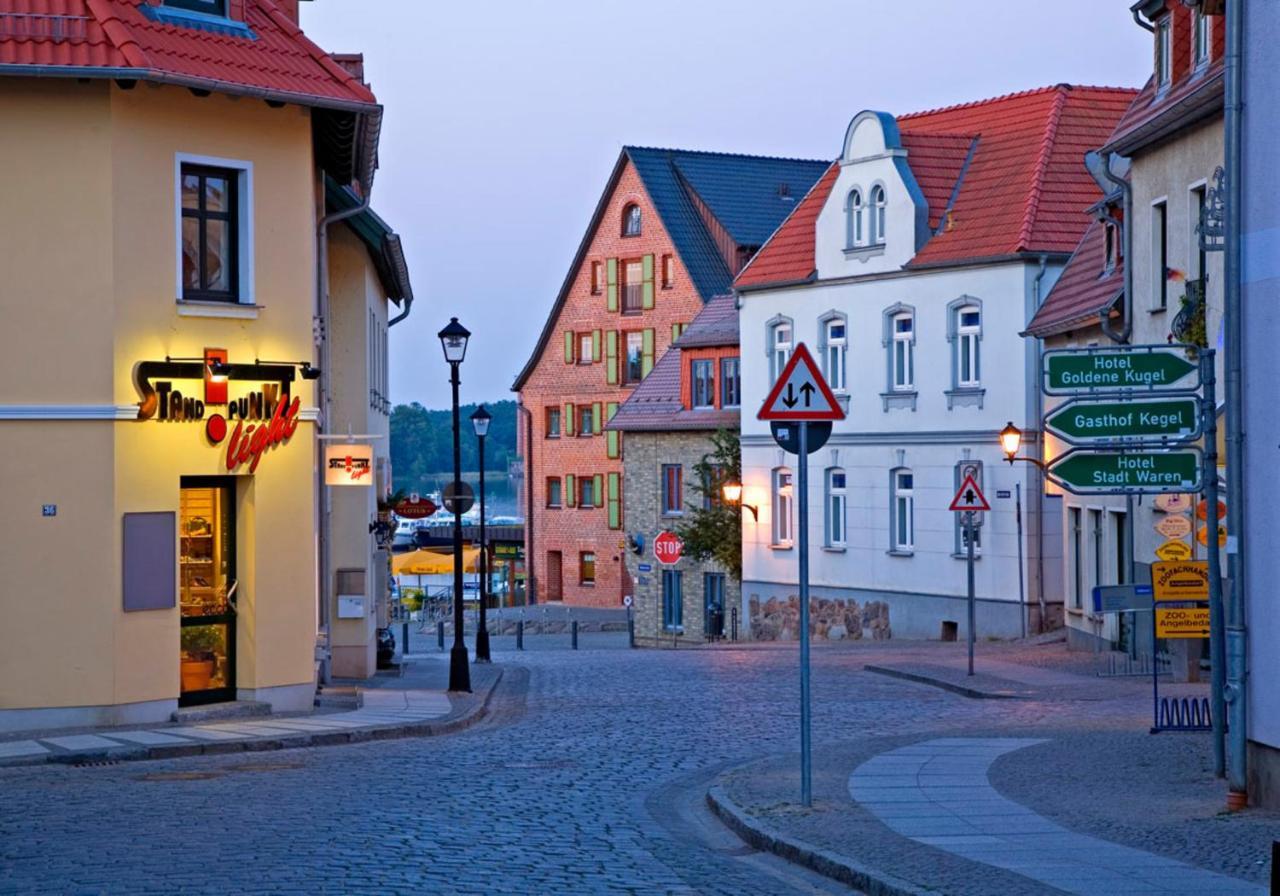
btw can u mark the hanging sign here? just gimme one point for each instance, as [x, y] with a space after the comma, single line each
[1186, 580]
[415, 508]
[348, 464]
[1174, 550]
[1176, 526]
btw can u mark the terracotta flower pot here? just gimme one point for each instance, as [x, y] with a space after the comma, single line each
[196, 674]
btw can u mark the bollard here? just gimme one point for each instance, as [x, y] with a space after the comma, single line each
[574, 629]
[631, 629]
[440, 634]
[520, 634]
[1275, 868]
[404, 644]
[733, 617]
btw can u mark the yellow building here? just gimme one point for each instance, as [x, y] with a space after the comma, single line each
[168, 322]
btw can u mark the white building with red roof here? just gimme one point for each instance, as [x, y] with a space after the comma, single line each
[910, 270]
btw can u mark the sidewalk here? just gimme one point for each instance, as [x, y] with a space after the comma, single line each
[412, 705]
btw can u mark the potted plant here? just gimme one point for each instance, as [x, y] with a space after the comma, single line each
[200, 647]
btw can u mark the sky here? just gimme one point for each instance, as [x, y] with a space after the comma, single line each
[503, 120]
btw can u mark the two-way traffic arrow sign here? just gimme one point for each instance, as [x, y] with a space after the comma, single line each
[969, 498]
[801, 393]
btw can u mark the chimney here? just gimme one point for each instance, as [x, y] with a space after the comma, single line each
[353, 63]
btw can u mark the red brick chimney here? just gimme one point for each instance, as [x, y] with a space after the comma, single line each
[353, 63]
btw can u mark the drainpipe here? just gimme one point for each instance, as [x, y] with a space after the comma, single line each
[1095, 162]
[530, 584]
[1142, 23]
[324, 507]
[1039, 475]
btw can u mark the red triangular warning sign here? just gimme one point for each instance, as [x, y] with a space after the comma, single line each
[801, 392]
[969, 498]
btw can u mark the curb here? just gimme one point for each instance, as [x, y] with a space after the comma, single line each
[870, 881]
[112, 755]
[961, 689]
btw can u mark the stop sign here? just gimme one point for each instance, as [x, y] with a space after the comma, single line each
[667, 548]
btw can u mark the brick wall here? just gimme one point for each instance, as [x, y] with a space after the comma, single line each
[555, 383]
[647, 453]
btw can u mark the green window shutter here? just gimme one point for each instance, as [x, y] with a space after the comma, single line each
[597, 418]
[570, 419]
[596, 356]
[568, 347]
[676, 330]
[646, 358]
[611, 280]
[570, 496]
[615, 504]
[611, 357]
[610, 409]
[597, 489]
[611, 444]
[648, 282]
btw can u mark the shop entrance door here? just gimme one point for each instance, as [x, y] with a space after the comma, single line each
[207, 590]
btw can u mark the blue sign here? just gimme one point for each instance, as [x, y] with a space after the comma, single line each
[1117, 598]
[642, 581]
[48, 509]
[645, 567]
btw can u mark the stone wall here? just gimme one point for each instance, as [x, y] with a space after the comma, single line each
[834, 619]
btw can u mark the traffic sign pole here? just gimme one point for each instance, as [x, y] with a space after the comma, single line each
[1217, 635]
[968, 525]
[802, 482]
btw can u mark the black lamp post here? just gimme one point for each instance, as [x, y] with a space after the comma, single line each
[480, 420]
[453, 338]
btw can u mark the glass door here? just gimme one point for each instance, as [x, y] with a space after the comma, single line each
[207, 590]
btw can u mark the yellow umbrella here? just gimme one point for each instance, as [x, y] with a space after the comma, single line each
[433, 563]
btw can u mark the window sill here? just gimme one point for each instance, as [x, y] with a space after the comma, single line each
[586, 584]
[966, 396]
[1157, 309]
[864, 253]
[555, 507]
[554, 438]
[977, 555]
[897, 552]
[835, 548]
[899, 399]
[235, 310]
[782, 546]
[1075, 611]
[672, 515]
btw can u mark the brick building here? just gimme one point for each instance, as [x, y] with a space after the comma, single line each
[694, 390]
[671, 230]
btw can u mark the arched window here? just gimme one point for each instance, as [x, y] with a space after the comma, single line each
[877, 215]
[853, 223]
[631, 220]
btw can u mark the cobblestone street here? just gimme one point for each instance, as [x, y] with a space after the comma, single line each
[588, 777]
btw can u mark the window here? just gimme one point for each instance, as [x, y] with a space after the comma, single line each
[968, 341]
[730, 383]
[713, 604]
[597, 278]
[835, 505]
[554, 495]
[212, 7]
[210, 237]
[553, 423]
[1199, 38]
[779, 348]
[712, 481]
[587, 568]
[1077, 558]
[704, 383]
[877, 215]
[586, 420]
[835, 334]
[587, 497]
[902, 511]
[586, 352]
[1162, 67]
[1095, 529]
[1197, 254]
[632, 287]
[853, 219]
[633, 366]
[782, 497]
[1118, 528]
[668, 271]
[672, 600]
[631, 220]
[904, 352]
[1160, 255]
[672, 489]
[1111, 239]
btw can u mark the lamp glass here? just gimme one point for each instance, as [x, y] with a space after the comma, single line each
[732, 492]
[1010, 439]
[480, 420]
[453, 338]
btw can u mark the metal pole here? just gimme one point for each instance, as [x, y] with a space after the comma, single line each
[459, 667]
[968, 525]
[573, 629]
[520, 634]
[482, 632]
[1234, 605]
[1022, 584]
[1217, 637]
[802, 522]
[404, 631]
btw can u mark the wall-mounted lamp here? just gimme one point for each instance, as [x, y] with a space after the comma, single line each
[220, 369]
[304, 367]
[1011, 441]
[732, 492]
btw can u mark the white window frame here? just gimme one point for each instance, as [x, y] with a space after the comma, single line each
[778, 358]
[1163, 52]
[1160, 254]
[1111, 246]
[907, 341]
[835, 509]
[783, 492]
[1201, 39]
[1197, 196]
[245, 306]
[878, 204]
[969, 335]
[902, 504]
[854, 229]
[835, 353]
[694, 365]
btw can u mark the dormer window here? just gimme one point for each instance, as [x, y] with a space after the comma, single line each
[1199, 38]
[1163, 37]
[212, 7]
[1111, 239]
[854, 213]
[631, 220]
[877, 215]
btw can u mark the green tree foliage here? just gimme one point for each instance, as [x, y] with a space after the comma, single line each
[422, 442]
[714, 529]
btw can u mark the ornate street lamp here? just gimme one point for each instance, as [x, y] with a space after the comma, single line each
[453, 339]
[732, 492]
[1011, 441]
[480, 421]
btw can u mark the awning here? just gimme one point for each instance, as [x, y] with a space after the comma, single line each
[433, 563]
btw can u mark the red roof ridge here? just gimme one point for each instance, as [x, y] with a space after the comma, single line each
[118, 33]
[1015, 95]
[294, 30]
[1041, 167]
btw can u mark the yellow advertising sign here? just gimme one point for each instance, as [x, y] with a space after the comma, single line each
[1180, 580]
[1182, 623]
[1203, 536]
[1174, 550]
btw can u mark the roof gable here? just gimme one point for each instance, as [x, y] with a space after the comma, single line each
[1084, 290]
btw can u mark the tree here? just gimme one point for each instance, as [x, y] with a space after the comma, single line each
[714, 529]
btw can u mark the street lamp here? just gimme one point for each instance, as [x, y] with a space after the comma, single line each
[480, 421]
[453, 339]
[732, 492]
[1011, 441]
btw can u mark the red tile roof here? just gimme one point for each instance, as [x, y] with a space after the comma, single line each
[116, 37]
[1022, 190]
[1083, 291]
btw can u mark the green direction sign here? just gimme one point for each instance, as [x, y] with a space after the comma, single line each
[1145, 368]
[1087, 422]
[1088, 472]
